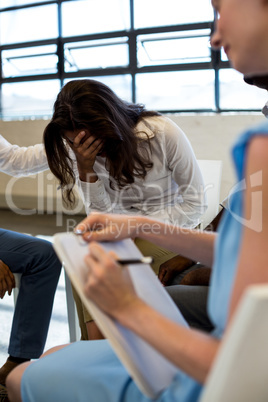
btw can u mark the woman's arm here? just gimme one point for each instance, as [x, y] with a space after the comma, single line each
[172, 191]
[190, 243]
[110, 288]
[94, 196]
[109, 285]
[90, 185]
[193, 351]
[190, 203]
[21, 161]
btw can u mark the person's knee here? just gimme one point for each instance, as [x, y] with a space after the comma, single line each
[54, 349]
[46, 251]
[13, 382]
[44, 258]
[12, 387]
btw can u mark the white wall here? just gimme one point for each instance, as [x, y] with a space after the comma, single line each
[210, 135]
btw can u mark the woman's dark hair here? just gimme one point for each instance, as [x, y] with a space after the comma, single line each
[89, 104]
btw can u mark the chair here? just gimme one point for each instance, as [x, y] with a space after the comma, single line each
[239, 373]
[17, 286]
[211, 171]
[74, 329]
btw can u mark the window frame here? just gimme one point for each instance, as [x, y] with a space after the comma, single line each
[215, 64]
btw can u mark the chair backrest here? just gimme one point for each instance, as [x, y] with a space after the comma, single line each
[211, 171]
[239, 373]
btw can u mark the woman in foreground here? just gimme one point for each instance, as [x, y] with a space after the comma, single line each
[90, 371]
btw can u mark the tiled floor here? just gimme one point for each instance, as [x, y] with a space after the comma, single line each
[59, 329]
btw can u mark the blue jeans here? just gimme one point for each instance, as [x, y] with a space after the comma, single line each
[36, 260]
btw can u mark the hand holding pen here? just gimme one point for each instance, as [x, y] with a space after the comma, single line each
[128, 261]
[108, 227]
[108, 285]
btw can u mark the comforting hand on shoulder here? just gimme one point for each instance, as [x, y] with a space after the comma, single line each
[7, 280]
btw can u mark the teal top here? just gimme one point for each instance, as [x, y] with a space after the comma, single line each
[230, 228]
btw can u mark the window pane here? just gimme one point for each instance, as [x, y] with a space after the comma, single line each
[31, 24]
[96, 54]
[236, 94]
[13, 3]
[223, 55]
[174, 47]
[30, 61]
[148, 13]
[34, 98]
[120, 84]
[94, 16]
[176, 90]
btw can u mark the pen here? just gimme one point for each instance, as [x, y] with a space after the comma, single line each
[143, 260]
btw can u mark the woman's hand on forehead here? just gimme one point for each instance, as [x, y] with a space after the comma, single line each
[74, 136]
[85, 147]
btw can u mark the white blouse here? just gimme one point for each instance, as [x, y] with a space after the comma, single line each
[172, 191]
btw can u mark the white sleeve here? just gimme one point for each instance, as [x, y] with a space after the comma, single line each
[190, 203]
[21, 161]
[94, 196]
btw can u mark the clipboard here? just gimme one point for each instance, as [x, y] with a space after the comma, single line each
[150, 370]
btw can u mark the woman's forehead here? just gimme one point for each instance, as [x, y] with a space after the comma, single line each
[70, 133]
[75, 132]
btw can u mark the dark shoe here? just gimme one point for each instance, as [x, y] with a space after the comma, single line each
[3, 394]
[5, 370]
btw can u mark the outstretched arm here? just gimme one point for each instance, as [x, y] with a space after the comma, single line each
[169, 269]
[190, 243]
[21, 161]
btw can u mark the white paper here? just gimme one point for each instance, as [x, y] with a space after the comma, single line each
[149, 369]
